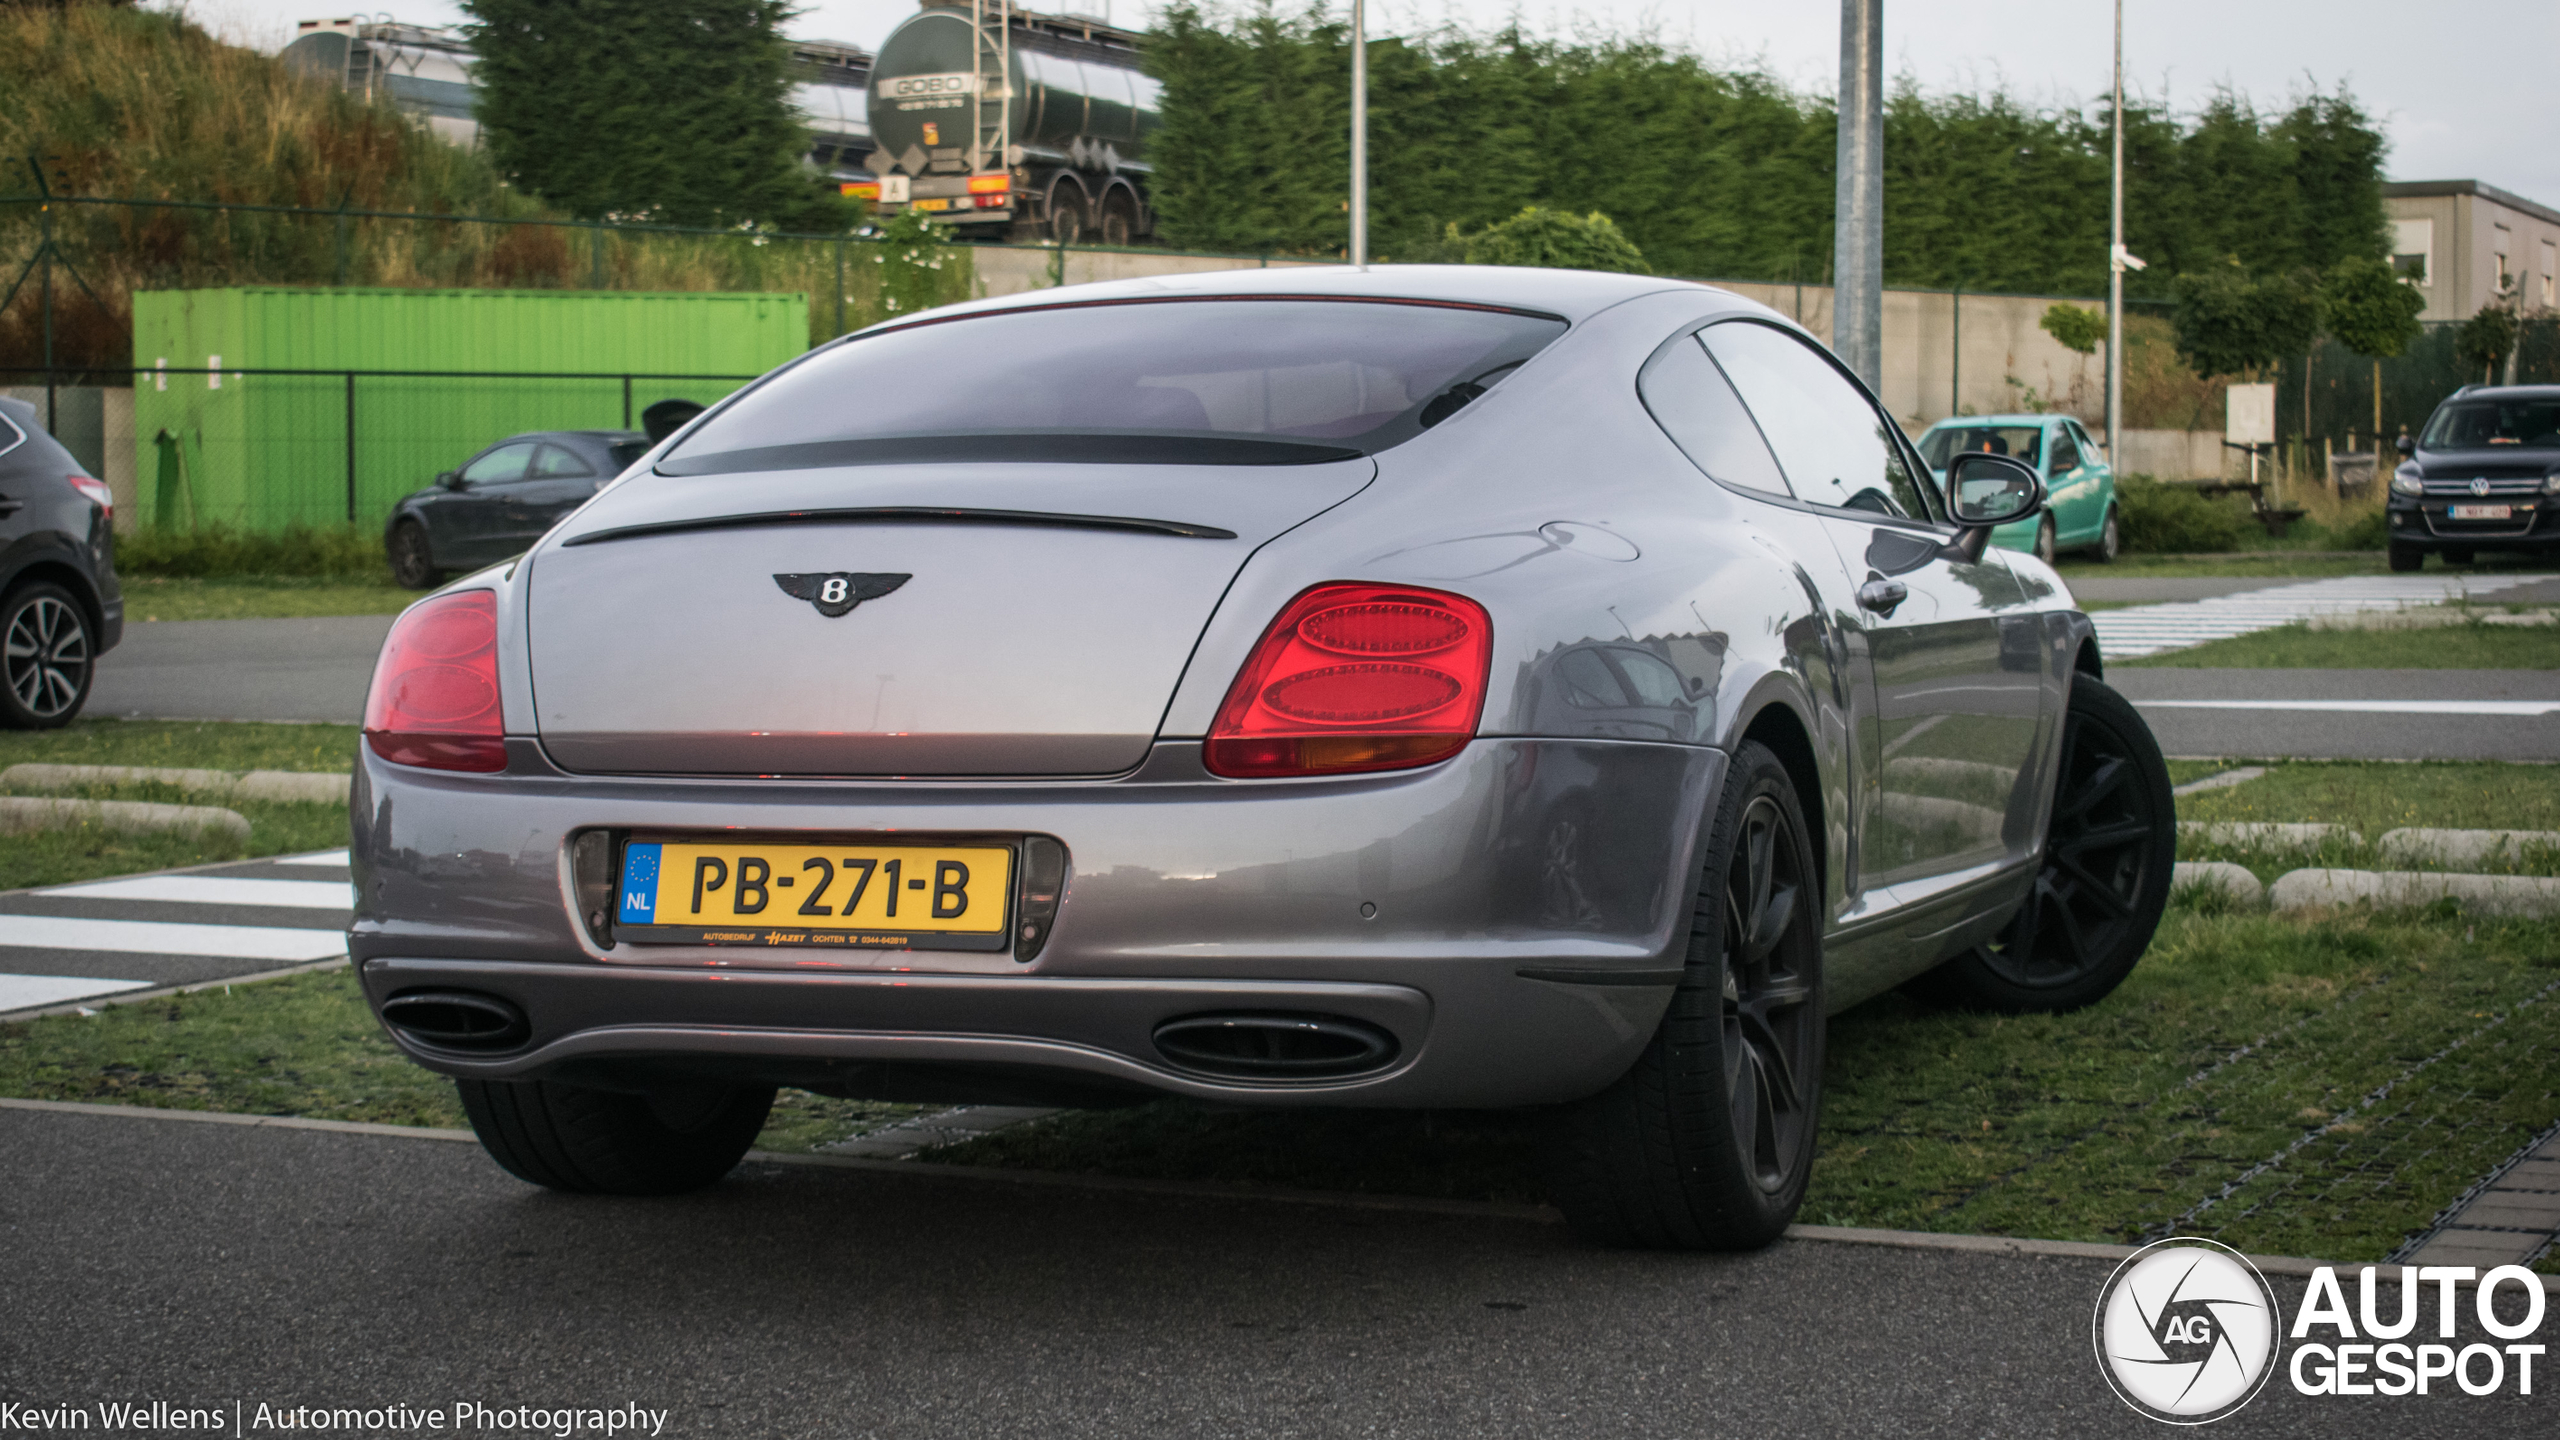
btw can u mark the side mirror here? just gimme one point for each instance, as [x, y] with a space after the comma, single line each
[2408, 446]
[1991, 490]
[451, 479]
[1986, 492]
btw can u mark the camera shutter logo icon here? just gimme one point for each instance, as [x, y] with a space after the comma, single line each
[2186, 1331]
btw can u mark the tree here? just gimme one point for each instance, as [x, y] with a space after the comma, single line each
[1556, 240]
[674, 110]
[2229, 322]
[2075, 328]
[2370, 311]
[2485, 340]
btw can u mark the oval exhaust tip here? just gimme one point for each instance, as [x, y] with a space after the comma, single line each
[1275, 1047]
[456, 1020]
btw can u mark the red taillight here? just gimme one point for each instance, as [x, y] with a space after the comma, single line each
[1356, 677]
[97, 491]
[435, 691]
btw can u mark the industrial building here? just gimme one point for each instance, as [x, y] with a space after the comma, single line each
[2464, 244]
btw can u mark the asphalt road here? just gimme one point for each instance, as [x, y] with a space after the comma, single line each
[2253, 727]
[307, 669]
[198, 1263]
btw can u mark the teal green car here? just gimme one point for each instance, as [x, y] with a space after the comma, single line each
[2081, 515]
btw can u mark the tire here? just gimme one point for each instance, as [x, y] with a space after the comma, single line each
[2457, 557]
[2405, 558]
[604, 1142]
[2103, 880]
[1707, 1142]
[48, 655]
[413, 560]
[1119, 219]
[2110, 540]
[1066, 215]
[2044, 540]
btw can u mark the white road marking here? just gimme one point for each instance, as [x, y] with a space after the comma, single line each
[153, 937]
[2368, 707]
[326, 857]
[28, 992]
[2139, 630]
[218, 890]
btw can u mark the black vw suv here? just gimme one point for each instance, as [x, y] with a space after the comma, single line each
[2483, 475]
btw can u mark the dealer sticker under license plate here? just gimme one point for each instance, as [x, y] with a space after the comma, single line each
[2476, 512]
[849, 896]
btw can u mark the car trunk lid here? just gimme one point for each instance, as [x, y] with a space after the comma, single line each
[687, 625]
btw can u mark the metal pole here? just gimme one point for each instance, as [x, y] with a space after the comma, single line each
[1359, 133]
[626, 401]
[1955, 353]
[1857, 297]
[2115, 264]
[351, 447]
[626, 392]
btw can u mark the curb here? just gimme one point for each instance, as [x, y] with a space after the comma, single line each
[1997, 1245]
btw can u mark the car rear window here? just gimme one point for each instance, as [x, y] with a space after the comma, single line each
[1211, 381]
[627, 451]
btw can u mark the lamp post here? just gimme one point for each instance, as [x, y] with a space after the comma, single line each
[2115, 265]
[1359, 134]
[1857, 297]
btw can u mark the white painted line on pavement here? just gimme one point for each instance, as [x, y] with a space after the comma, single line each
[325, 857]
[217, 890]
[26, 992]
[153, 937]
[2368, 707]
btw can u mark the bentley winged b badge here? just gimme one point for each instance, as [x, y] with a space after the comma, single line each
[836, 591]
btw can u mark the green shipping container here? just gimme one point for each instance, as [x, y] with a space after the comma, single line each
[263, 452]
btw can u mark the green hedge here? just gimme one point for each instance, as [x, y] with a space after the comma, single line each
[218, 552]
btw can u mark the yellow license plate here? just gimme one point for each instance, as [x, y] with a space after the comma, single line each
[933, 204]
[847, 896]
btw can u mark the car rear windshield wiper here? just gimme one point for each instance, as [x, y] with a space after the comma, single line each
[909, 515]
[1066, 447]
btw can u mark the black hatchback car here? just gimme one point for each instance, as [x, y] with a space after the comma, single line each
[501, 500]
[2483, 475]
[60, 606]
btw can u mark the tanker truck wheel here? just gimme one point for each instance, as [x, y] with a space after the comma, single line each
[1119, 218]
[1066, 215]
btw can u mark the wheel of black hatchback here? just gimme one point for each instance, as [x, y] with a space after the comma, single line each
[2405, 558]
[606, 1142]
[2104, 880]
[47, 656]
[1707, 1142]
[413, 560]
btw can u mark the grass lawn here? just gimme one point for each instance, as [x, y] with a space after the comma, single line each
[59, 857]
[152, 597]
[2311, 565]
[2299, 647]
[2371, 798]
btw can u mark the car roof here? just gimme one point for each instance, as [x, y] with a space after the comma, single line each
[1571, 294]
[605, 435]
[2506, 392]
[1972, 420]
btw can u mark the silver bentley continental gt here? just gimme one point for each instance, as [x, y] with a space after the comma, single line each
[1410, 687]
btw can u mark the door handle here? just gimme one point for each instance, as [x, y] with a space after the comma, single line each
[1882, 596]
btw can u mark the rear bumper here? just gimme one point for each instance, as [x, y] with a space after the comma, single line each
[1568, 860]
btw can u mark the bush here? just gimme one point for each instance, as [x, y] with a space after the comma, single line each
[2172, 520]
[218, 552]
[1557, 239]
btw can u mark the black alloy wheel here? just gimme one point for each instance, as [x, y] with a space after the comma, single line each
[413, 561]
[2103, 881]
[46, 658]
[1707, 1142]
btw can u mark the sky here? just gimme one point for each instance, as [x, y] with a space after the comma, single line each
[2461, 89]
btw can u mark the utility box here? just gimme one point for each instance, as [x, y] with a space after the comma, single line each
[263, 408]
